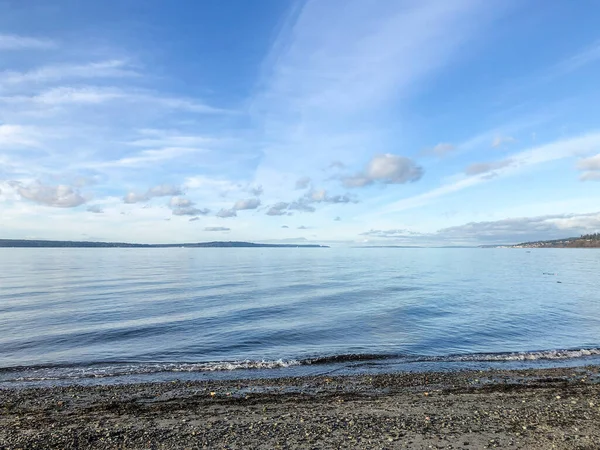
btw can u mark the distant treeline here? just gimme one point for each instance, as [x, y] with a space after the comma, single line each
[584, 241]
[591, 237]
[86, 244]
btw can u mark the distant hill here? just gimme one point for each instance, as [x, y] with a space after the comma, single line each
[86, 244]
[584, 241]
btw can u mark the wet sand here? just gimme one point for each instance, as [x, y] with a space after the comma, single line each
[530, 409]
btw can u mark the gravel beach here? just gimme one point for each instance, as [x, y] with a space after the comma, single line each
[529, 409]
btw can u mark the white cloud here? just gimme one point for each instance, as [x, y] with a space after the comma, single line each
[95, 209]
[440, 150]
[217, 229]
[256, 190]
[181, 206]
[132, 197]
[480, 168]
[302, 183]
[59, 196]
[370, 51]
[180, 202]
[591, 168]
[201, 182]
[170, 138]
[251, 203]
[68, 95]
[302, 205]
[591, 163]
[505, 231]
[386, 169]
[113, 68]
[537, 155]
[329, 84]
[317, 195]
[337, 165]
[590, 176]
[278, 209]
[321, 196]
[15, 42]
[17, 136]
[97, 95]
[147, 157]
[226, 213]
[393, 233]
[162, 190]
[305, 202]
[517, 230]
[190, 211]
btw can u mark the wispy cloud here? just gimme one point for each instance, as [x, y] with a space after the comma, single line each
[505, 231]
[302, 183]
[329, 64]
[485, 167]
[217, 229]
[534, 156]
[440, 150]
[326, 79]
[162, 190]
[96, 95]
[499, 141]
[113, 68]
[170, 138]
[588, 55]
[18, 136]
[147, 157]
[16, 42]
[392, 233]
[517, 230]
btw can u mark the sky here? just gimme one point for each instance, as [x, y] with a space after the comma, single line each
[342, 122]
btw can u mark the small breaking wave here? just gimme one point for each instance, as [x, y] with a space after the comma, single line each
[124, 369]
[350, 357]
[119, 369]
[528, 356]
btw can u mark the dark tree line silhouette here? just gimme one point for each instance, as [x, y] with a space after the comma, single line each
[591, 237]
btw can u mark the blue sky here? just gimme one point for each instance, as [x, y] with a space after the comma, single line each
[357, 122]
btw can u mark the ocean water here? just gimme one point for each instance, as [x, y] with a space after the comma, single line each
[123, 315]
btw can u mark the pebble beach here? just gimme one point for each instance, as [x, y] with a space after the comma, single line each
[528, 409]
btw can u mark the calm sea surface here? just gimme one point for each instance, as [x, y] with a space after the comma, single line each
[71, 315]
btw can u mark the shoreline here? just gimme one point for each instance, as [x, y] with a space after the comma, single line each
[529, 409]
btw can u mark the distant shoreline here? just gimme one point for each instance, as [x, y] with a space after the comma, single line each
[26, 243]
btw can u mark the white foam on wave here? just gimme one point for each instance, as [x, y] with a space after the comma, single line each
[123, 369]
[234, 365]
[115, 370]
[530, 356]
